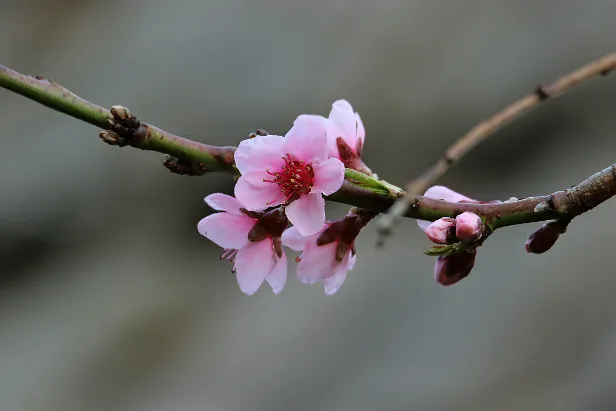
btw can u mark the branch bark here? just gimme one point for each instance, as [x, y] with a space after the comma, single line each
[124, 129]
[200, 157]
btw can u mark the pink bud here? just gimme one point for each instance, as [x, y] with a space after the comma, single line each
[545, 236]
[468, 227]
[441, 231]
[452, 268]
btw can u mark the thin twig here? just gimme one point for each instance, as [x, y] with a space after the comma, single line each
[486, 129]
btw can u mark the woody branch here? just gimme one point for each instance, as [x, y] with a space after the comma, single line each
[359, 190]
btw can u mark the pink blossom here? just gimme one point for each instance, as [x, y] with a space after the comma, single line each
[328, 263]
[441, 231]
[450, 269]
[293, 170]
[468, 227]
[251, 241]
[344, 123]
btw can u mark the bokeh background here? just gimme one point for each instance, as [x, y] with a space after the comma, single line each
[110, 300]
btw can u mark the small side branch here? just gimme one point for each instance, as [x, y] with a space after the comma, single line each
[486, 129]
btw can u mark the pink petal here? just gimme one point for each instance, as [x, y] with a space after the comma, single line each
[295, 241]
[307, 139]
[253, 264]
[343, 123]
[256, 155]
[278, 277]
[333, 283]
[223, 202]
[317, 263]
[226, 230]
[258, 198]
[307, 213]
[328, 176]
[444, 193]
[423, 224]
[361, 131]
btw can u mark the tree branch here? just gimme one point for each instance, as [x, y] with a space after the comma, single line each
[486, 129]
[359, 190]
[201, 158]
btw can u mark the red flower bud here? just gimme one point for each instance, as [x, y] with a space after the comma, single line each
[442, 231]
[452, 268]
[468, 227]
[545, 236]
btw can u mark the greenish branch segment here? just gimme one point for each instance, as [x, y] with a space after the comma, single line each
[358, 190]
[565, 204]
[200, 157]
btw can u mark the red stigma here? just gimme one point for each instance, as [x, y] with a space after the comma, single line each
[295, 178]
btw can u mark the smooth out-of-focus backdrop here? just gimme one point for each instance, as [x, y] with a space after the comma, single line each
[110, 299]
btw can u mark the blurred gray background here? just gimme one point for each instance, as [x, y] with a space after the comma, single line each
[110, 299]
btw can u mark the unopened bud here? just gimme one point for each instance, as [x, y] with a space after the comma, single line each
[258, 132]
[468, 227]
[112, 138]
[121, 112]
[442, 231]
[545, 236]
[452, 268]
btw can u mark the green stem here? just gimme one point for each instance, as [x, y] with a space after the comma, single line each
[200, 158]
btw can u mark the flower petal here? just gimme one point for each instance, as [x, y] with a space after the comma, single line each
[317, 263]
[253, 264]
[307, 139]
[343, 123]
[258, 198]
[256, 155]
[307, 213]
[423, 224]
[333, 283]
[223, 202]
[278, 277]
[226, 230]
[361, 131]
[295, 241]
[444, 193]
[328, 176]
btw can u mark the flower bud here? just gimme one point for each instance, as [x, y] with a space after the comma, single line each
[545, 236]
[442, 231]
[452, 268]
[468, 227]
[121, 112]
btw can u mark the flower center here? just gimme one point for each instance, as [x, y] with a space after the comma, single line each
[295, 178]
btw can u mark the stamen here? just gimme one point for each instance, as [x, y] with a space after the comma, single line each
[229, 254]
[294, 178]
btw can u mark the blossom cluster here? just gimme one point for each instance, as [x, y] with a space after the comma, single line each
[465, 229]
[283, 180]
